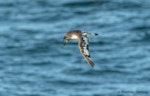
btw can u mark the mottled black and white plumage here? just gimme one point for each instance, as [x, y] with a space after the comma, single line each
[83, 42]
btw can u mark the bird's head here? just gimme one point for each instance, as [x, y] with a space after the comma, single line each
[66, 38]
[71, 35]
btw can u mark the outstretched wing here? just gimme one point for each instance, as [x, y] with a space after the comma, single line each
[84, 49]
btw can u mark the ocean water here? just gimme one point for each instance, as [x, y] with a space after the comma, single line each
[34, 61]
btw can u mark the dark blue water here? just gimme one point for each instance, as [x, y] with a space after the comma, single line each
[34, 62]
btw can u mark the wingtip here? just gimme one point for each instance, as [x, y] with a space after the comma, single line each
[91, 64]
[96, 34]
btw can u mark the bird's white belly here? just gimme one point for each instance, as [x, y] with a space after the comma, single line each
[74, 37]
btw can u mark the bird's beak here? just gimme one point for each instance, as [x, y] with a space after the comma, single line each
[65, 40]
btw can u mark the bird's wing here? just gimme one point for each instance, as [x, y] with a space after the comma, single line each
[84, 49]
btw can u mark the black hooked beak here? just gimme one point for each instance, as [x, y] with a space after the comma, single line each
[65, 40]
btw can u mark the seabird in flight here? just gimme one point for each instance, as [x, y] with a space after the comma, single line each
[83, 43]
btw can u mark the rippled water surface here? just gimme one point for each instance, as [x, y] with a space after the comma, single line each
[34, 62]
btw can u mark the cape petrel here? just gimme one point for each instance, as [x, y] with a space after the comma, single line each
[83, 43]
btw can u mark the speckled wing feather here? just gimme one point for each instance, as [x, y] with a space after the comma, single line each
[84, 48]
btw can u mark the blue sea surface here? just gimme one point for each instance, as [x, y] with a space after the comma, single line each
[34, 61]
